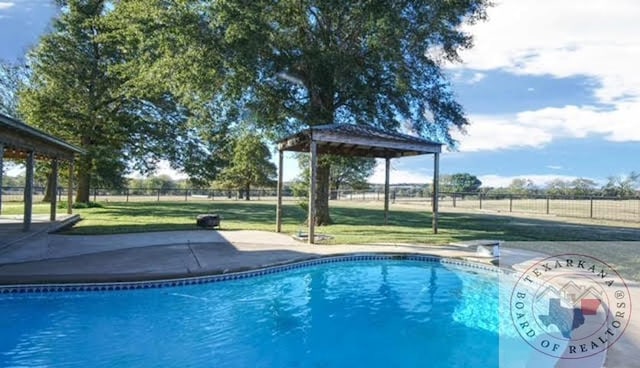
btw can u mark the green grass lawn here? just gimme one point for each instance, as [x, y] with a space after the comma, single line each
[362, 223]
[353, 222]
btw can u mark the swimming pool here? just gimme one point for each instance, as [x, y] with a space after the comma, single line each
[344, 312]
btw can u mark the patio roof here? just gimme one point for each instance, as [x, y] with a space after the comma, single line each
[354, 140]
[19, 139]
[358, 140]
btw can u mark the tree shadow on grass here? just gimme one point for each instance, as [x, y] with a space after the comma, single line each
[469, 226]
[404, 225]
[165, 216]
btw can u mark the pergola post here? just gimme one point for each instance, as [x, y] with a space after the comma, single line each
[1, 171]
[28, 192]
[312, 190]
[386, 189]
[436, 189]
[279, 194]
[358, 141]
[70, 189]
[54, 186]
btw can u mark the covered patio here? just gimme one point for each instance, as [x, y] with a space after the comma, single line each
[357, 141]
[21, 142]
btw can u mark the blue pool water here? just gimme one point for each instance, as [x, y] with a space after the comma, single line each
[388, 313]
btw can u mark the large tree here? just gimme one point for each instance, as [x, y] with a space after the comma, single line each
[622, 186]
[522, 187]
[583, 187]
[318, 62]
[460, 183]
[351, 172]
[296, 63]
[12, 78]
[250, 166]
[72, 95]
[79, 91]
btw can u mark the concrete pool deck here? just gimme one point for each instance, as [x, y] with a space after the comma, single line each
[156, 255]
[58, 258]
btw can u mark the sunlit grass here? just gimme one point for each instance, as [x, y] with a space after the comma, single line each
[353, 222]
[363, 223]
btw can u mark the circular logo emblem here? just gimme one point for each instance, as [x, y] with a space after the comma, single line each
[570, 306]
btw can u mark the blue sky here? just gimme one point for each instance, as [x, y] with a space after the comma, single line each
[551, 90]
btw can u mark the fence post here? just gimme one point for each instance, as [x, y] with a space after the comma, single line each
[158, 197]
[454, 199]
[547, 205]
[510, 202]
[480, 197]
[59, 194]
[591, 207]
[186, 192]
[95, 193]
[127, 193]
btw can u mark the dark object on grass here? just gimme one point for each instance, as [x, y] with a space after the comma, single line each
[208, 220]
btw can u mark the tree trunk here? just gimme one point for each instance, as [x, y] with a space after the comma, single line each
[247, 196]
[322, 194]
[84, 179]
[49, 191]
[322, 110]
[334, 191]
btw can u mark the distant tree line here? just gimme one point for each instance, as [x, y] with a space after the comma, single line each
[616, 186]
[351, 175]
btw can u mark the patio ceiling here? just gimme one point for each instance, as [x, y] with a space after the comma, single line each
[20, 139]
[357, 140]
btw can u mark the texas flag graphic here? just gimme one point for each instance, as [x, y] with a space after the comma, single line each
[589, 306]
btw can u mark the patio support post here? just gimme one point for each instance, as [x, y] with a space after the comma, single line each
[54, 185]
[1, 170]
[70, 189]
[436, 189]
[28, 193]
[386, 189]
[279, 194]
[312, 191]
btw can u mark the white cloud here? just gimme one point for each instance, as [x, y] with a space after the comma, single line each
[6, 5]
[477, 77]
[554, 167]
[536, 128]
[399, 176]
[487, 133]
[541, 180]
[560, 39]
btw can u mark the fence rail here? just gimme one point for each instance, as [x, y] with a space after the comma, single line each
[603, 208]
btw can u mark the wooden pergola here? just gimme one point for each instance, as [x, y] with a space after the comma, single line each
[23, 142]
[359, 141]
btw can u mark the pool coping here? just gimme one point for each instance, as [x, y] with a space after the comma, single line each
[236, 274]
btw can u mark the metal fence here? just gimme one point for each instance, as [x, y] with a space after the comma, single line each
[16, 194]
[603, 208]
